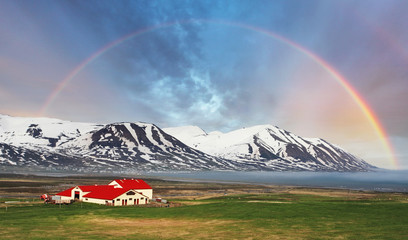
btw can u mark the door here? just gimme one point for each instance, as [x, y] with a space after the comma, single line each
[137, 201]
[76, 196]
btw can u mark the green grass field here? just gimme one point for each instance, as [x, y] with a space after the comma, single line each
[260, 216]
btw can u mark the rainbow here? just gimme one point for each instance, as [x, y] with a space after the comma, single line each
[358, 99]
[61, 85]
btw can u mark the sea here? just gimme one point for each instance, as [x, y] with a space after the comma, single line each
[379, 180]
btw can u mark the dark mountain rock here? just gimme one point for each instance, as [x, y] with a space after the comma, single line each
[57, 144]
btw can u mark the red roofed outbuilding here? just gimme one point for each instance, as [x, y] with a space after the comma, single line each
[119, 192]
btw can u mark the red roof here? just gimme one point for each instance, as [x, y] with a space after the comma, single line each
[91, 188]
[103, 192]
[132, 183]
[66, 193]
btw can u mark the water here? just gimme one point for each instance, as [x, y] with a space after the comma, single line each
[382, 180]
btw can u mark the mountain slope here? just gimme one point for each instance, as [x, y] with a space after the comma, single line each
[57, 144]
[44, 133]
[143, 146]
[273, 148]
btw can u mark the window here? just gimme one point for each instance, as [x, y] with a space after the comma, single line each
[130, 198]
[142, 198]
[118, 199]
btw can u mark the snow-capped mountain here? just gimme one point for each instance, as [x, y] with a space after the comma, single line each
[141, 146]
[40, 133]
[52, 143]
[58, 144]
[270, 147]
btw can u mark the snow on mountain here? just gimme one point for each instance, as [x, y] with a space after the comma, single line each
[58, 144]
[186, 132]
[20, 156]
[140, 145]
[40, 132]
[217, 143]
[54, 143]
[274, 148]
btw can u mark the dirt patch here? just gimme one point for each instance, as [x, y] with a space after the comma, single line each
[19, 180]
[162, 228]
[19, 203]
[201, 193]
[259, 201]
[122, 222]
[8, 232]
[188, 229]
[330, 193]
[190, 203]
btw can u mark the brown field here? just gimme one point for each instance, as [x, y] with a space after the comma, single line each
[31, 186]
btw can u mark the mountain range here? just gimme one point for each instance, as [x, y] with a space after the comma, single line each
[63, 145]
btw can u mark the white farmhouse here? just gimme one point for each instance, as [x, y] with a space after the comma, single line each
[119, 192]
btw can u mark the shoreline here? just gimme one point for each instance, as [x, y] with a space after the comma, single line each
[373, 182]
[384, 181]
[32, 186]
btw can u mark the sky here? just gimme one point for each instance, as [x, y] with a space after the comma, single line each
[219, 65]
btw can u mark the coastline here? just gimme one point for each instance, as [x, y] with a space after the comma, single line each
[377, 181]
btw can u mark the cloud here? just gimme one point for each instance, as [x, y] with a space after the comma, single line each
[217, 76]
[400, 144]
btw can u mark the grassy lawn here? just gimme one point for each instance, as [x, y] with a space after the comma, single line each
[257, 216]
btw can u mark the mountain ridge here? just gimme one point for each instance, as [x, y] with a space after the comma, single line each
[268, 142]
[59, 144]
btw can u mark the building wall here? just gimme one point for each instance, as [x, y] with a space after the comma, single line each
[81, 193]
[114, 183]
[95, 200]
[121, 200]
[147, 192]
[64, 198]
